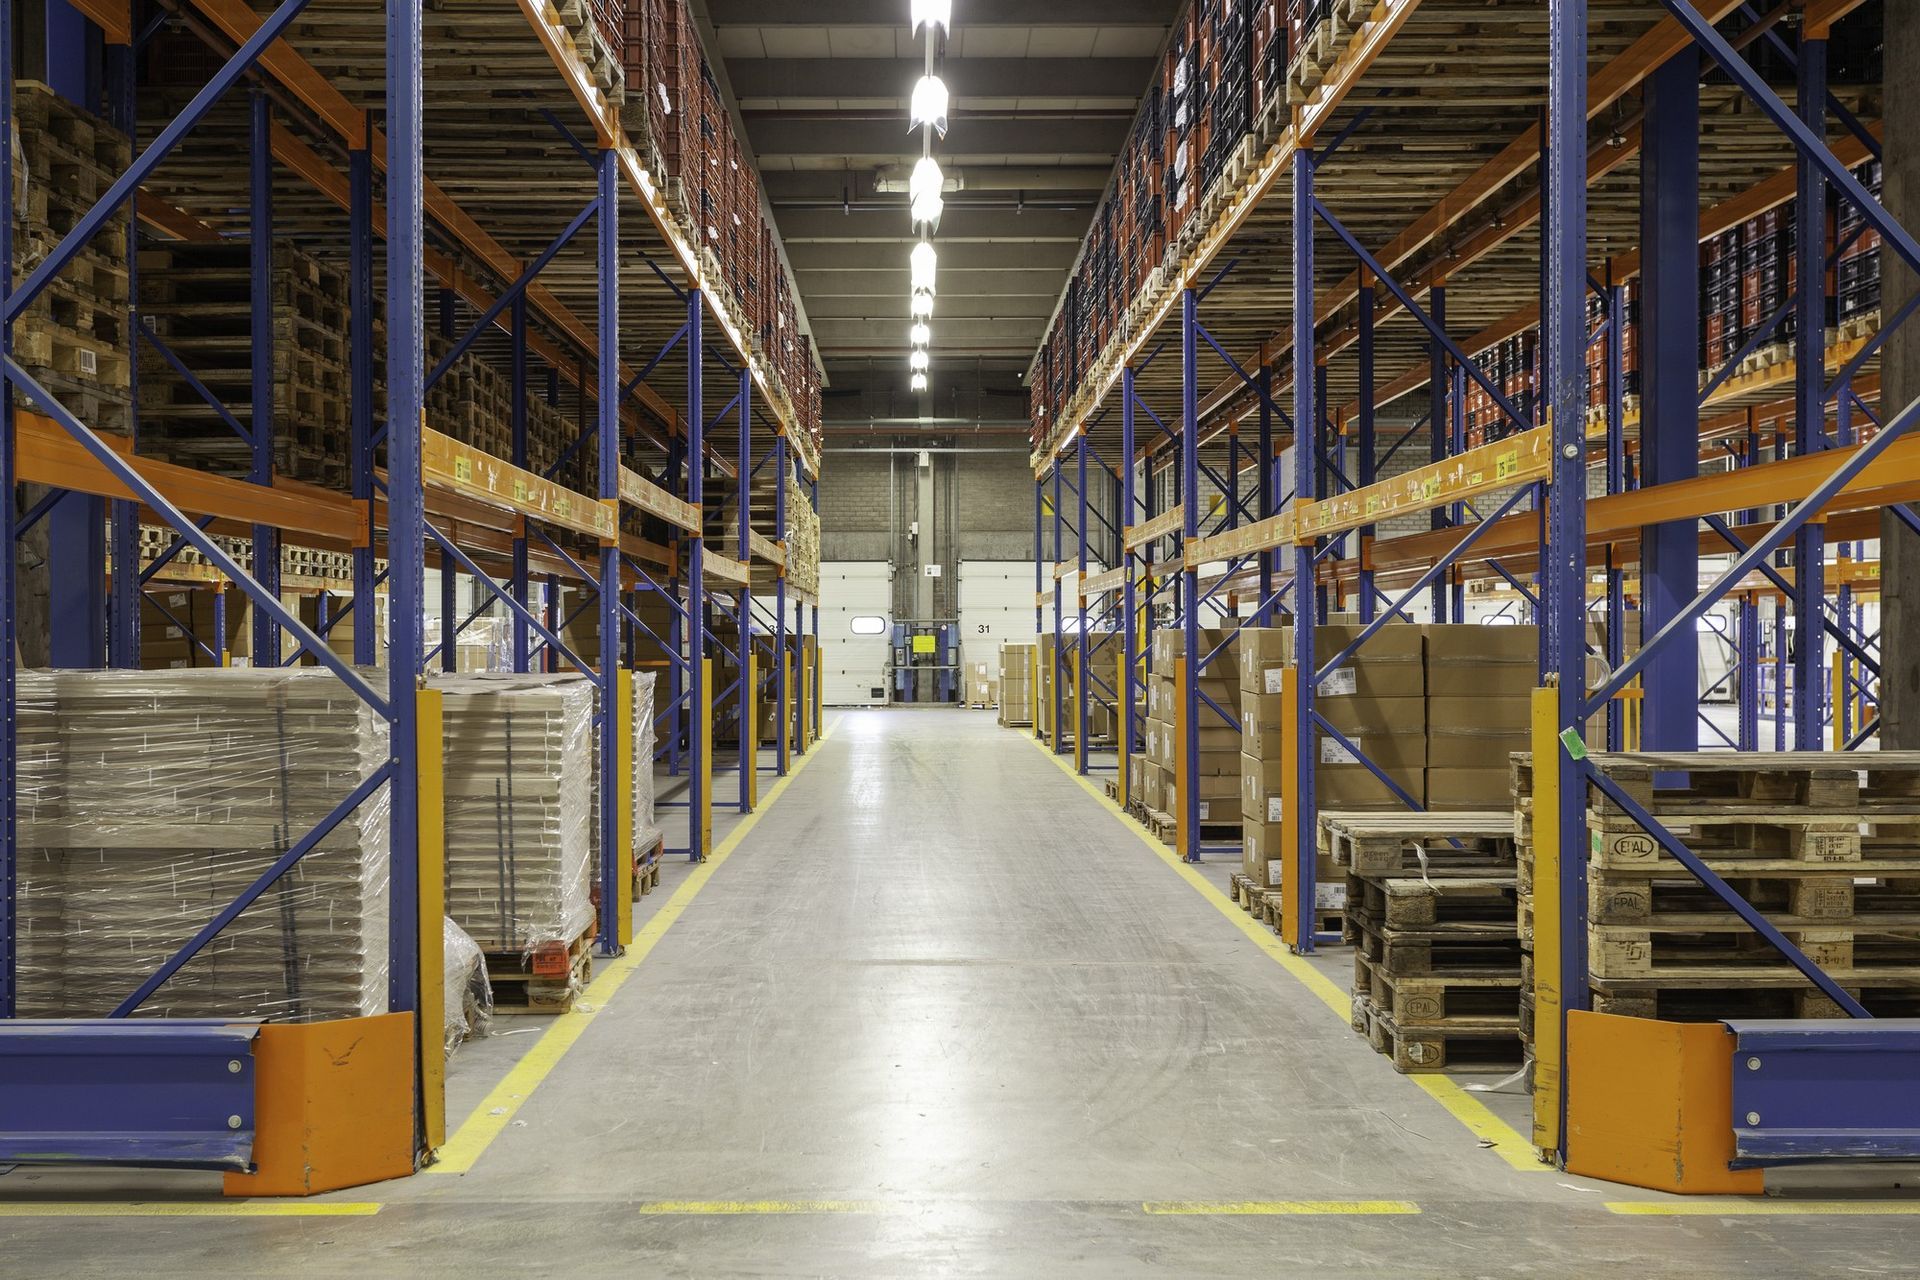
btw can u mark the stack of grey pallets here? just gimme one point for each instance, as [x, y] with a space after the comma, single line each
[519, 764]
[150, 800]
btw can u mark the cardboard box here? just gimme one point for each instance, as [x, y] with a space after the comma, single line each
[1218, 797]
[1457, 789]
[1263, 730]
[1261, 781]
[1375, 717]
[1355, 787]
[1480, 714]
[1261, 862]
[1264, 653]
[1170, 645]
[1391, 664]
[1468, 660]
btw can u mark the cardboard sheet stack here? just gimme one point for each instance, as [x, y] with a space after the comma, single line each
[149, 800]
[519, 777]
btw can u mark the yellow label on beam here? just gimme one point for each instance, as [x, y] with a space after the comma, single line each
[1262, 535]
[643, 494]
[1167, 522]
[1519, 459]
[445, 463]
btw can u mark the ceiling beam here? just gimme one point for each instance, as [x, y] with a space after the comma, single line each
[888, 139]
[815, 257]
[892, 78]
[977, 13]
[798, 226]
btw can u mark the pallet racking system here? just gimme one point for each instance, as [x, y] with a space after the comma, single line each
[1443, 183]
[449, 145]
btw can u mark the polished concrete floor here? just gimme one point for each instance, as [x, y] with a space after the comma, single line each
[941, 1013]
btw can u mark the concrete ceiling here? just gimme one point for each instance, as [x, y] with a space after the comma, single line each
[1044, 93]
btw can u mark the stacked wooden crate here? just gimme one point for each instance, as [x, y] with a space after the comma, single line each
[73, 338]
[1430, 915]
[519, 856]
[123, 865]
[198, 298]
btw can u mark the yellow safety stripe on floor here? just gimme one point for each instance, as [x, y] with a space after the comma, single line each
[497, 1110]
[1278, 1208]
[1763, 1208]
[188, 1209]
[724, 1208]
[1500, 1137]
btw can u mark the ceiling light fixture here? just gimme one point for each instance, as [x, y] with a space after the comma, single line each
[929, 105]
[926, 188]
[927, 12]
[925, 262]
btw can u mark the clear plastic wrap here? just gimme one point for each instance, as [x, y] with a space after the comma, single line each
[646, 829]
[149, 800]
[518, 784]
[467, 1013]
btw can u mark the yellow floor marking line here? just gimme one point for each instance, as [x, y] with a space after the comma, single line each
[1763, 1208]
[1500, 1136]
[497, 1110]
[1278, 1208]
[727, 1208]
[188, 1209]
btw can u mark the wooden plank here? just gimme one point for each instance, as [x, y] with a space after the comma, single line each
[1064, 569]
[765, 549]
[1111, 580]
[1167, 522]
[1517, 460]
[1261, 535]
[45, 454]
[719, 568]
[447, 464]
[644, 495]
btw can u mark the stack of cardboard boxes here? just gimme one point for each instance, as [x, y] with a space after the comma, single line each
[1437, 709]
[1219, 741]
[983, 687]
[1480, 683]
[1016, 683]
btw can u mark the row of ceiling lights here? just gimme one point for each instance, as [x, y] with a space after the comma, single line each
[925, 189]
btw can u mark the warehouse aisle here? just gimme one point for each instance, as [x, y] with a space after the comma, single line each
[941, 1013]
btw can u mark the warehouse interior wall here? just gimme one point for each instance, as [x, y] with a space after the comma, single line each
[875, 500]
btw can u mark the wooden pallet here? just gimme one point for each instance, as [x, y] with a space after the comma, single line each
[1436, 998]
[1265, 903]
[1434, 950]
[1456, 1044]
[1440, 844]
[1404, 903]
[1165, 828]
[646, 867]
[547, 981]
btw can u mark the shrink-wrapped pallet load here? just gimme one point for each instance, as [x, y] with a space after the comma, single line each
[518, 779]
[150, 801]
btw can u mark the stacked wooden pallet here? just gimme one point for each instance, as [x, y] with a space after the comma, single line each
[124, 862]
[1430, 914]
[473, 402]
[1826, 845]
[198, 298]
[73, 338]
[803, 541]
[519, 855]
